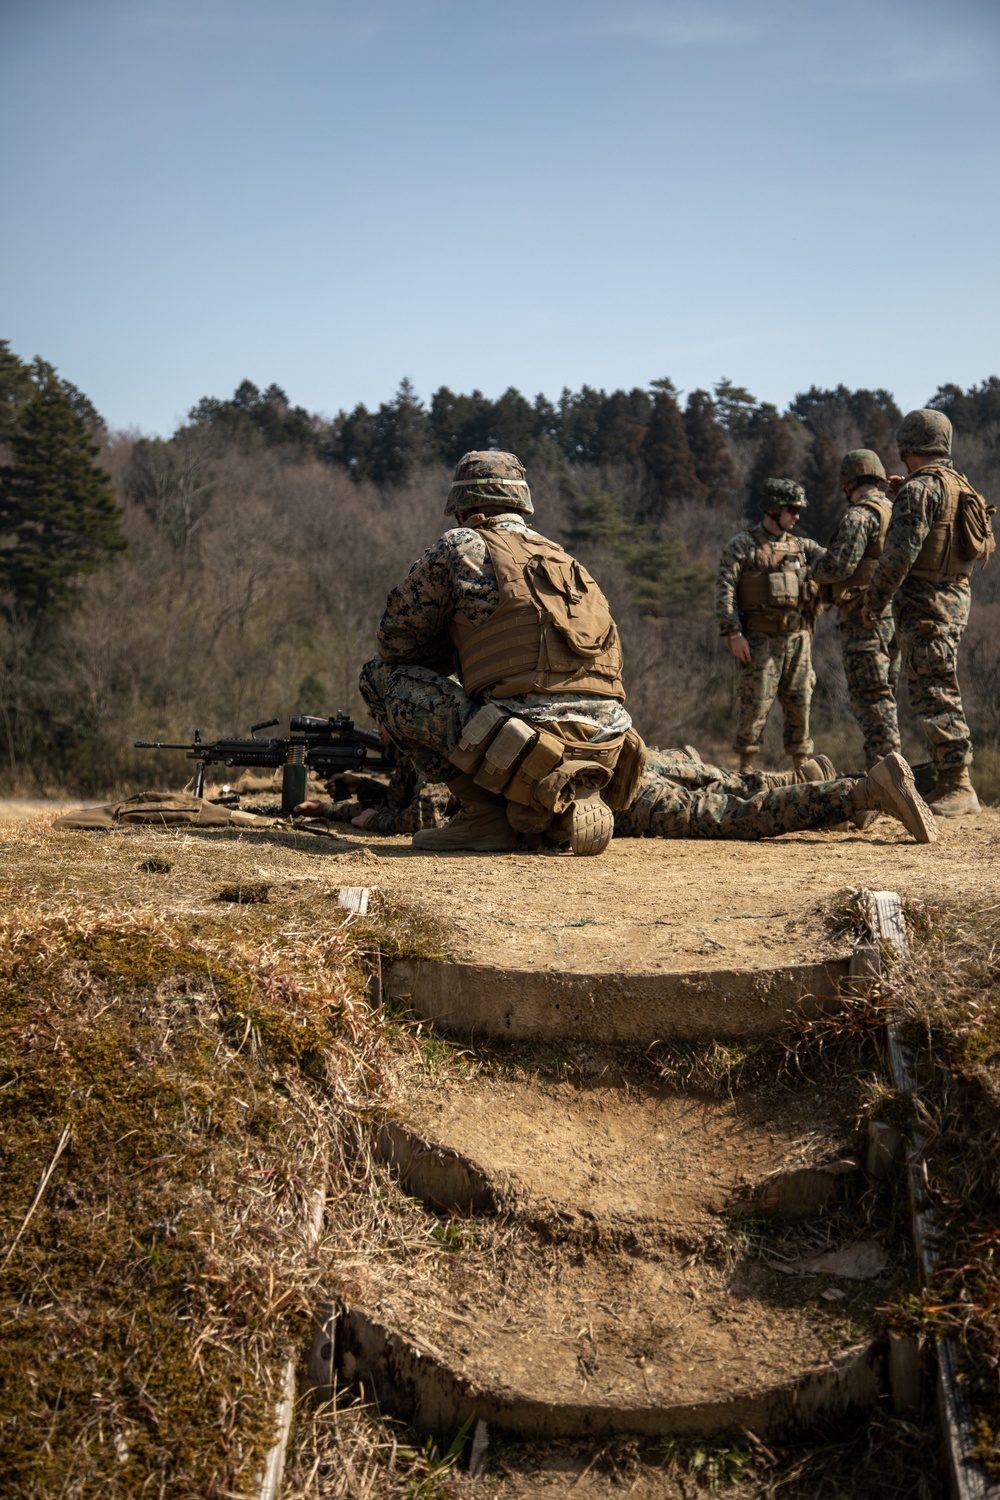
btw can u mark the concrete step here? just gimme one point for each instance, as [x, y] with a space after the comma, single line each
[549, 1004]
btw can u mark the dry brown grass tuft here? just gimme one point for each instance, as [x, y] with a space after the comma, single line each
[205, 1077]
[950, 1006]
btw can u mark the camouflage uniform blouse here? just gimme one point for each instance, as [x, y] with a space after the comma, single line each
[456, 574]
[741, 550]
[917, 506]
[848, 545]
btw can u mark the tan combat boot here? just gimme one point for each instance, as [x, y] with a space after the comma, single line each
[889, 787]
[480, 825]
[797, 761]
[954, 796]
[748, 759]
[819, 768]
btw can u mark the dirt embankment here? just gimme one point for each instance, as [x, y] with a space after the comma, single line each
[643, 906]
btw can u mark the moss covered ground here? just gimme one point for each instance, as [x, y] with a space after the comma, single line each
[181, 1079]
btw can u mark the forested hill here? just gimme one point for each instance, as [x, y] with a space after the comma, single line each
[713, 449]
[237, 570]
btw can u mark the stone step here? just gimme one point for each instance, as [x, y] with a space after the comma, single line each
[600, 1278]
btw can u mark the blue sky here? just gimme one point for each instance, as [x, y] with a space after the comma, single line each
[335, 195]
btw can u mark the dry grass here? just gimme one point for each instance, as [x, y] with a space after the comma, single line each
[206, 1070]
[950, 997]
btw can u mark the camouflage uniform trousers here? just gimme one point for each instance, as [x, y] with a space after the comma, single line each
[423, 711]
[871, 666]
[780, 666]
[717, 804]
[930, 659]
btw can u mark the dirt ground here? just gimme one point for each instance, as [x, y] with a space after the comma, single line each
[645, 905]
[650, 1288]
[620, 1275]
[633, 1153]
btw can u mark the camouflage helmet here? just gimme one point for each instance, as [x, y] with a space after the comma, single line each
[861, 463]
[777, 493]
[924, 431]
[488, 477]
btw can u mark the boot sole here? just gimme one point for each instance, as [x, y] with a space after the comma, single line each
[592, 824]
[895, 779]
[481, 846]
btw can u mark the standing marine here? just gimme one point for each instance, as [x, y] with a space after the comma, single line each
[764, 601]
[940, 527]
[499, 672]
[871, 657]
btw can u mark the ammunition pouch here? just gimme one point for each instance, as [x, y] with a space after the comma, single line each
[770, 593]
[846, 590]
[536, 769]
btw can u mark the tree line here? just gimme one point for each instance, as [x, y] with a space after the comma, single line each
[238, 568]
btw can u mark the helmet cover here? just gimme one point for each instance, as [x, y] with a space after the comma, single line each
[777, 493]
[488, 477]
[861, 463]
[924, 431]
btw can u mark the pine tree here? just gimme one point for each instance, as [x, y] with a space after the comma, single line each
[621, 426]
[736, 407]
[709, 446]
[459, 424]
[16, 389]
[821, 479]
[667, 455]
[777, 453]
[402, 437]
[58, 516]
[253, 415]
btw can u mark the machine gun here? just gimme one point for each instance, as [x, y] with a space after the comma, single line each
[326, 746]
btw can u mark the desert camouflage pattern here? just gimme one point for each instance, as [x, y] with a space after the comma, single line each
[456, 574]
[406, 803]
[739, 554]
[930, 618]
[924, 431]
[871, 657]
[681, 798]
[488, 478]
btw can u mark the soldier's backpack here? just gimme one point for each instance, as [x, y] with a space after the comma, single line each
[963, 533]
[975, 526]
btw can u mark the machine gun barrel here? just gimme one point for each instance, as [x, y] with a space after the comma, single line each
[163, 745]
